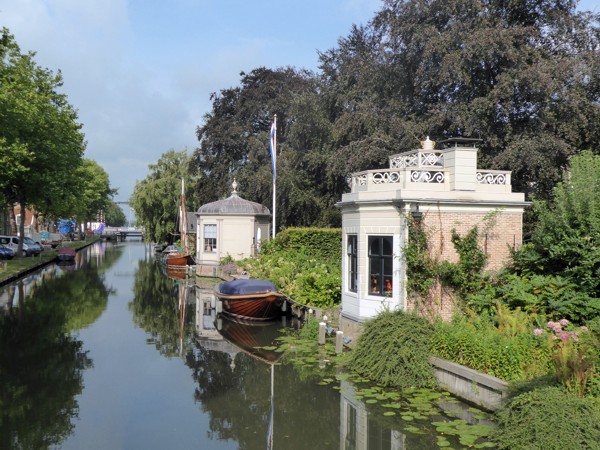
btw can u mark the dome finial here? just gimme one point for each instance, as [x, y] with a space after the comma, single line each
[427, 144]
[234, 186]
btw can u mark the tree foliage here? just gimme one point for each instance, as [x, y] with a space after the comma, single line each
[156, 199]
[234, 142]
[114, 215]
[42, 143]
[522, 76]
[566, 240]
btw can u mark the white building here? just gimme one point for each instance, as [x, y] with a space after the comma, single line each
[443, 190]
[231, 227]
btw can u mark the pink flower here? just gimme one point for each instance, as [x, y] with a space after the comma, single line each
[550, 324]
[538, 331]
[564, 337]
[564, 322]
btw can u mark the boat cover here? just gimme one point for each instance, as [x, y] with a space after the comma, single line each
[243, 286]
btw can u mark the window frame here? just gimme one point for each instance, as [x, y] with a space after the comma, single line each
[352, 261]
[209, 244]
[381, 264]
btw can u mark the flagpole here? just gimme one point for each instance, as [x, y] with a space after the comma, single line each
[274, 156]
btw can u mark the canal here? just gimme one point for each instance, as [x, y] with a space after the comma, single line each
[111, 353]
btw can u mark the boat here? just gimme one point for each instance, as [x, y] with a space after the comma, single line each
[66, 254]
[250, 299]
[181, 257]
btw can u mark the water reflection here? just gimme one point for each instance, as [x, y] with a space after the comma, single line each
[41, 363]
[117, 354]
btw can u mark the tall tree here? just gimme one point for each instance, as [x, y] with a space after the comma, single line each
[523, 76]
[94, 194]
[156, 198]
[39, 133]
[114, 215]
[234, 142]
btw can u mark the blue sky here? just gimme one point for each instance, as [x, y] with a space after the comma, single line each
[140, 72]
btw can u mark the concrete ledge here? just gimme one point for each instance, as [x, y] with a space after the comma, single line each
[468, 384]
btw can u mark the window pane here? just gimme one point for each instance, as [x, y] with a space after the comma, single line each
[387, 246]
[381, 265]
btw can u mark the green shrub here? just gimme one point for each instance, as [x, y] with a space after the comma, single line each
[393, 350]
[322, 243]
[555, 297]
[480, 345]
[301, 263]
[548, 418]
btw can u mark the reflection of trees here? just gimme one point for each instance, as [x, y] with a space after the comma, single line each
[238, 401]
[40, 372]
[155, 308]
[80, 298]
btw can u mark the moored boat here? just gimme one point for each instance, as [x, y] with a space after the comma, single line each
[179, 257]
[66, 254]
[250, 299]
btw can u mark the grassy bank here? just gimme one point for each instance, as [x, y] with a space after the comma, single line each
[13, 268]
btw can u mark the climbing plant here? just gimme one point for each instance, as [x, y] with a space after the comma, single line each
[424, 269]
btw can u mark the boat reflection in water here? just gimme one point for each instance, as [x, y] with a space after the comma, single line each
[256, 339]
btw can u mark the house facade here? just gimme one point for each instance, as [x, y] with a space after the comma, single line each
[230, 227]
[442, 190]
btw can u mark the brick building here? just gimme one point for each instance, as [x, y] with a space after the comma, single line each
[441, 188]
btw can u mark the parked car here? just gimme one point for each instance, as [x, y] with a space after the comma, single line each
[6, 252]
[30, 248]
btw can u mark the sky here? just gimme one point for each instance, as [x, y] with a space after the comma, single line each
[141, 72]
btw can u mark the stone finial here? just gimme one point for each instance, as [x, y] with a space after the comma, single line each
[234, 186]
[427, 144]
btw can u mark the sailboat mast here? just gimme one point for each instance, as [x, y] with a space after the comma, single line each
[183, 218]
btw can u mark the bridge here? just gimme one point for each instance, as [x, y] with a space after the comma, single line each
[121, 232]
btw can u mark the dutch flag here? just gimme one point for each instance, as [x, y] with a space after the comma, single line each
[272, 149]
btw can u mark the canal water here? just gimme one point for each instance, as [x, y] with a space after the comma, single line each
[111, 353]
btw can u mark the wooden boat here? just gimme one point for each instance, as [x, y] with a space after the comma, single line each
[250, 299]
[181, 257]
[66, 254]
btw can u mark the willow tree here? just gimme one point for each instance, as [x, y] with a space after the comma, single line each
[156, 198]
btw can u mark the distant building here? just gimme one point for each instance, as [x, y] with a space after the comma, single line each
[442, 190]
[233, 226]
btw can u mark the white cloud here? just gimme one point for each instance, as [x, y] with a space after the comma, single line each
[140, 73]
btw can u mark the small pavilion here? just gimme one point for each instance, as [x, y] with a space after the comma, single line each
[443, 190]
[230, 227]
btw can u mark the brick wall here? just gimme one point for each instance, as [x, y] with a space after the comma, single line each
[497, 235]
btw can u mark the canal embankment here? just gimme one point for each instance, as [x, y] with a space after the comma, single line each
[18, 267]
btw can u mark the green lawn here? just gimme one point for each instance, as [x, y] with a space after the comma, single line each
[20, 264]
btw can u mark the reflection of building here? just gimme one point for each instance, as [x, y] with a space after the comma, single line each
[358, 431]
[233, 226]
[438, 191]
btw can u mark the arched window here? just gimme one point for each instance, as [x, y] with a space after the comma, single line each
[381, 265]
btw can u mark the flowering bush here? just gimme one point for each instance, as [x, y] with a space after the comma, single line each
[575, 353]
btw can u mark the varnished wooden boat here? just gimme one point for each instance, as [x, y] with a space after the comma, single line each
[250, 299]
[178, 259]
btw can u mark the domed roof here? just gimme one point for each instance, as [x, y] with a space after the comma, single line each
[234, 205]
